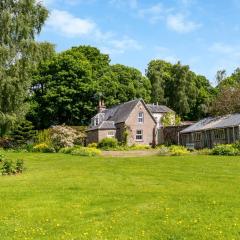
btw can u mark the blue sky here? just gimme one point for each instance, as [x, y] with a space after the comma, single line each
[203, 34]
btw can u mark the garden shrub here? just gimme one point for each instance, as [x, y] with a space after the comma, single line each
[93, 145]
[19, 166]
[7, 167]
[225, 150]
[86, 151]
[237, 145]
[176, 150]
[163, 150]
[67, 150]
[23, 133]
[10, 168]
[6, 142]
[44, 136]
[43, 147]
[108, 143]
[204, 151]
[2, 157]
[139, 147]
[62, 136]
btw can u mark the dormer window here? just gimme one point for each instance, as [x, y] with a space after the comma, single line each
[140, 117]
[96, 121]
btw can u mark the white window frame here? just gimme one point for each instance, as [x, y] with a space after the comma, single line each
[96, 121]
[139, 135]
[141, 117]
[111, 135]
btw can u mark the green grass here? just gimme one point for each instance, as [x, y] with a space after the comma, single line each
[68, 197]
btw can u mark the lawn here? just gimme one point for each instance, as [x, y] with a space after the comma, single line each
[68, 197]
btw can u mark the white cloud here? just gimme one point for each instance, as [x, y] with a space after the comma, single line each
[181, 24]
[124, 3]
[225, 49]
[165, 54]
[153, 13]
[65, 23]
[175, 20]
[119, 46]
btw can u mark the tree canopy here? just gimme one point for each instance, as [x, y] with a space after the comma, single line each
[20, 22]
[176, 86]
[66, 86]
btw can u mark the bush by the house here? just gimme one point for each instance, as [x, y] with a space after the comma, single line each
[226, 150]
[81, 151]
[139, 147]
[43, 147]
[204, 151]
[237, 145]
[108, 143]
[173, 150]
[10, 168]
[86, 151]
[93, 145]
[163, 150]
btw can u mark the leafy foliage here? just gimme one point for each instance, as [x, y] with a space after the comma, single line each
[67, 87]
[44, 147]
[108, 143]
[179, 88]
[10, 168]
[20, 22]
[62, 136]
[23, 133]
[227, 100]
[226, 150]
[81, 151]
[173, 150]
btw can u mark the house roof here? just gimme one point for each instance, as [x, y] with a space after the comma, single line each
[118, 114]
[230, 120]
[158, 108]
[104, 125]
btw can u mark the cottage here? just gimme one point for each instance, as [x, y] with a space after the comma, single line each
[211, 131]
[134, 119]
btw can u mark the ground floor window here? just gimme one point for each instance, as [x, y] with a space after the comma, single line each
[219, 134]
[197, 137]
[111, 134]
[139, 135]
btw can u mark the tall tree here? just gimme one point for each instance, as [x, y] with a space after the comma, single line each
[220, 76]
[159, 73]
[66, 87]
[227, 101]
[20, 22]
[179, 88]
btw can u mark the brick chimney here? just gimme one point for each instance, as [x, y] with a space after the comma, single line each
[101, 106]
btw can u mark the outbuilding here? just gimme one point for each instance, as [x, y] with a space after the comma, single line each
[211, 131]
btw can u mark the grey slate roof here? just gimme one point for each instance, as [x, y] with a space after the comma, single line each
[104, 125]
[116, 114]
[158, 108]
[230, 120]
[120, 112]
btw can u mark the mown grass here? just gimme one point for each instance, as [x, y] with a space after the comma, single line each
[68, 197]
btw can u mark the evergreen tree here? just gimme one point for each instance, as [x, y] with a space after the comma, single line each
[23, 133]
